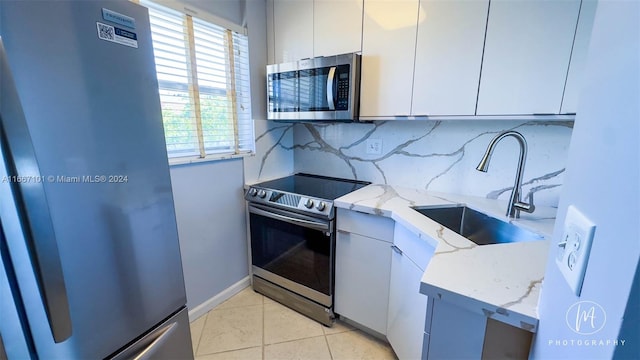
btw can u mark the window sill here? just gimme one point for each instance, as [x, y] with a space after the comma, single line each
[186, 160]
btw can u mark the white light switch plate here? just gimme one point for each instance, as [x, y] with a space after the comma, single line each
[574, 247]
[374, 146]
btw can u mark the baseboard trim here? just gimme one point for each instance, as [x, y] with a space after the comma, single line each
[218, 299]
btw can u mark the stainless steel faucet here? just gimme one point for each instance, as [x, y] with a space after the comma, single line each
[515, 205]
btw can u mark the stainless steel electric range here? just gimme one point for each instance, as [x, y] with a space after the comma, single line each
[292, 231]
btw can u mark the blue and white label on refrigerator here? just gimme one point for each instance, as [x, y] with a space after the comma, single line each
[117, 35]
[120, 19]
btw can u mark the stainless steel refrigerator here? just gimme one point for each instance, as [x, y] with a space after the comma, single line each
[89, 258]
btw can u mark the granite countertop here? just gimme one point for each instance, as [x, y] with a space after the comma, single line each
[501, 281]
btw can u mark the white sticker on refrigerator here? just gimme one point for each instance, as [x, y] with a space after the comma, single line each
[117, 35]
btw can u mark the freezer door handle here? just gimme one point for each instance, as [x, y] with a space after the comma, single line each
[151, 349]
[26, 205]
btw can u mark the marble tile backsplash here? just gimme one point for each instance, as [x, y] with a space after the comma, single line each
[432, 155]
[274, 152]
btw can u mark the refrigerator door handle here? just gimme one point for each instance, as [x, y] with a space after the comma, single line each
[33, 215]
[149, 350]
[30, 207]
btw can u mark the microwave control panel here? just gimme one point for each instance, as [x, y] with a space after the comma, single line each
[343, 90]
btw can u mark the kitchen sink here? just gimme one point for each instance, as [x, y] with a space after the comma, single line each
[476, 226]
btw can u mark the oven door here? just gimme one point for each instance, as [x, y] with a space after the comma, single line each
[294, 251]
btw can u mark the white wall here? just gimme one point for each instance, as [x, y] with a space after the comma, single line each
[603, 181]
[210, 207]
[210, 213]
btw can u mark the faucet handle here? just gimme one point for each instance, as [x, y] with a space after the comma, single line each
[530, 198]
[524, 206]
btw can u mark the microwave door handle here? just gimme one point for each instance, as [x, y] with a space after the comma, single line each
[330, 78]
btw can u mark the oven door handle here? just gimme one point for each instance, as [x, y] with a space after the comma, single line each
[291, 220]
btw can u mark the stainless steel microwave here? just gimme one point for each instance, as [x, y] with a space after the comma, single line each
[317, 89]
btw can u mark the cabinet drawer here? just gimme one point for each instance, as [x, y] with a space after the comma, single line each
[377, 227]
[415, 248]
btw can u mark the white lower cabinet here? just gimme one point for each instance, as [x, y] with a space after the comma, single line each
[379, 268]
[407, 306]
[363, 263]
[455, 333]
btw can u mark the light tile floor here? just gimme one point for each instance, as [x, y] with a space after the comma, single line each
[250, 326]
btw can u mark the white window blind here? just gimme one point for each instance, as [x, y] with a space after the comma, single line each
[203, 76]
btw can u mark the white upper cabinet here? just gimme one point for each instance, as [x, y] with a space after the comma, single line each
[271, 58]
[293, 30]
[445, 57]
[448, 56]
[302, 29]
[388, 52]
[526, 56]
[337, 27]
[578, 57]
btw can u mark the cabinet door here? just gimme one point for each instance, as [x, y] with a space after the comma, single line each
[456, 333]
[388, 49]
[271, 59]
[362, 280]
[293, 30]
[578, 57]
[407, 308]
[526, 56]
[337, 27]
[448, 57]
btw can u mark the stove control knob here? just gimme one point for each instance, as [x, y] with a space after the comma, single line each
[308, 204]
[321, 206]
[262, 194]
[253, 192]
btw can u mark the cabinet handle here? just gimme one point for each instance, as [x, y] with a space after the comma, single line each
[396, 249]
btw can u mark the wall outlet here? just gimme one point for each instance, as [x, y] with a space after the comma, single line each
[374, 146]
[574, 247]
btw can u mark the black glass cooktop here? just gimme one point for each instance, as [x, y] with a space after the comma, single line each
[314, 185]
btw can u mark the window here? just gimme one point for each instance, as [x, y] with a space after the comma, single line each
[203, 76]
